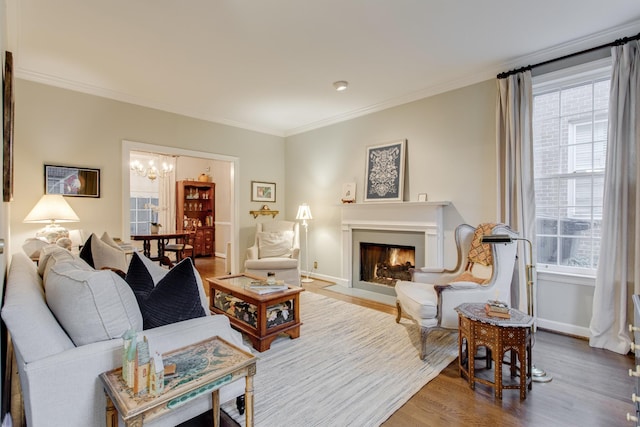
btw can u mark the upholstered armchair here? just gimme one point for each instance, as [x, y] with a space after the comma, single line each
[276, 249]
[483, 272]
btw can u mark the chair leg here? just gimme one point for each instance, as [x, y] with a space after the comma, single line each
[424, 332]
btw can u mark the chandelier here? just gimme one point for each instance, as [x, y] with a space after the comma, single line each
[150, 171]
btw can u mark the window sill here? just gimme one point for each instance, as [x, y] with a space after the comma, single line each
[566, 278]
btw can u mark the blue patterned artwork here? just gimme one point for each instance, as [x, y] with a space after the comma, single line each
[385, 172]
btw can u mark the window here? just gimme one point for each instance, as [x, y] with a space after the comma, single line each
[570, 113]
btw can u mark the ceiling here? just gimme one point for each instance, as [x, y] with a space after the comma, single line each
[269, 65]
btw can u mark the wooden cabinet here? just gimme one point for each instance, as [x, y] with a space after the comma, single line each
[196, 202]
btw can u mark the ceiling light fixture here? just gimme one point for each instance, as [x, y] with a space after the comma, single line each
[340, 85]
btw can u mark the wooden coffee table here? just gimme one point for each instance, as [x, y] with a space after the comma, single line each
[201, 368]
[261, 317]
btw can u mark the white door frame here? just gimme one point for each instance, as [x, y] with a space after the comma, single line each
[128, 146]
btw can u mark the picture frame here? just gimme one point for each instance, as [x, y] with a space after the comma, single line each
[71, 181]
[384, 177]
[348, 192]
[263, 191]
[8, 119]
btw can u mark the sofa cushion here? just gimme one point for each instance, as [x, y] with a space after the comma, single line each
[275, 244]
[174, 298]
[53, 255]
[92, 305]
[99, 254]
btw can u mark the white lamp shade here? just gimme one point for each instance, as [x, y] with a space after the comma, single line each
[52, 208]
[304, 212]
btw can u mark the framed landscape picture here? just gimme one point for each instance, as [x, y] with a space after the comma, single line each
[384, 179]
[263, 191]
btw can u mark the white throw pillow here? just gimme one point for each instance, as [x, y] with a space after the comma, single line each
[105, 255]
[33, 245]
[109, 241]
[275, 244]
[92, 305]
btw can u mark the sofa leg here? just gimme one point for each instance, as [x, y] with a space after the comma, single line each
[240, 404]
[399, 311]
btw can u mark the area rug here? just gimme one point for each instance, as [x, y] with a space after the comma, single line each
[351, 366]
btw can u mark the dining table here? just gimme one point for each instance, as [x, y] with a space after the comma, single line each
[162, 240]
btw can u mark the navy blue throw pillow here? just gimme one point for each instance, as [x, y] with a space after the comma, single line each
[173, 299]
[85, 252]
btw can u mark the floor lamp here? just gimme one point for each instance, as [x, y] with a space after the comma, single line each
[304, 213]
[537, 374]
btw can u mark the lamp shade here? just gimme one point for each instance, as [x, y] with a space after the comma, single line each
[304, 213]
[52, 208]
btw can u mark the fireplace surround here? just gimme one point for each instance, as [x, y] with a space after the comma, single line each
[412, 224]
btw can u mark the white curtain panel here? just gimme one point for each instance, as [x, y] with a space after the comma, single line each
[618, 275]
[167, 196]
[515, 170]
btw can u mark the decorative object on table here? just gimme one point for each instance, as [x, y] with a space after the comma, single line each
[264, 210]
[384, 180]
[539, 375]
[155, 227]
[52, 209]
[7, 169]
[304, 214]
[129, 357]
[156, 375]
[71, 181]
[495, 308]
[141, 378]
[263, 191]
[203, 177]
[348, 192]
[151, 171]
[422, 197]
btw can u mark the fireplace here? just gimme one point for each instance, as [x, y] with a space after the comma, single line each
[386, 264]
[417, 226]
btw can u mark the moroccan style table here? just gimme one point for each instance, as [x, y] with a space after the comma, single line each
[261, 317]
[477, 329]
[201, 368]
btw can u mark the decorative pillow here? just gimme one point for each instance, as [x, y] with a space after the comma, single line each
[33, 245]
[109, 241]
[99, 254]
[53, 254]
[275, 244]
[175, 297]
[91, 305]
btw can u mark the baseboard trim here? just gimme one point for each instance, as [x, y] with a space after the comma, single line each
[563, 328]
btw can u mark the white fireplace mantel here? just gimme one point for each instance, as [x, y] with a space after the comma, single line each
[421, 217]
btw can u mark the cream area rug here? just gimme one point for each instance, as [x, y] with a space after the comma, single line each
[351, 366]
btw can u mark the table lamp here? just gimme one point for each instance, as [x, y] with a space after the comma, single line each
[52, 209]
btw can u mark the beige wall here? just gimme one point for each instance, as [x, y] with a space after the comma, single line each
[450, 156]
[58, 126]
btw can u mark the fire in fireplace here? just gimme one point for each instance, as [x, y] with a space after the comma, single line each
[386, 264]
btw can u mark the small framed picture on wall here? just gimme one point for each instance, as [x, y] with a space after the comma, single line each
[263, 191]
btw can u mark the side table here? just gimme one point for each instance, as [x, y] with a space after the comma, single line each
[201, 368]
[477, 329]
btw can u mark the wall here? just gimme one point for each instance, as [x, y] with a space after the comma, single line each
[58, 126]
[450, 156]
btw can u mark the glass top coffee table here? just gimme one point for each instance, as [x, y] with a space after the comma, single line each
[261, 317]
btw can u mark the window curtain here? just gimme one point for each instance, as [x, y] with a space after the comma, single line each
[515, 171]
[618, 275]
[167, 196]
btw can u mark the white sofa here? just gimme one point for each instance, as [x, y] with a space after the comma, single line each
[59, 380]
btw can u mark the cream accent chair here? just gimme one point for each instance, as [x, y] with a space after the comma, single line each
[276, 249]
[431, 298]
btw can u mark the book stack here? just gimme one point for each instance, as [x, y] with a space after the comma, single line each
[266, 288]
[497, 309]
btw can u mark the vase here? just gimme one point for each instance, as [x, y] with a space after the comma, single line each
[155, 229]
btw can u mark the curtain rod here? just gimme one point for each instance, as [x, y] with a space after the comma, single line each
[582, 52]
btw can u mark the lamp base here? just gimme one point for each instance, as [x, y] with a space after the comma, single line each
[540, 376]
[52, 232]
[306, 280]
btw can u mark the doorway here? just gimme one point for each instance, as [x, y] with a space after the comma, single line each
[187, 165]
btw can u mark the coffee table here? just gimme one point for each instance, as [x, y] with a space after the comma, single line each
[260, 317]
[201, 368]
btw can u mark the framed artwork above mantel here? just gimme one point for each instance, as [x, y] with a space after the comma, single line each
[384, 178]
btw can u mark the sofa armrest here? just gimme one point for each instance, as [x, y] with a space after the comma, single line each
[252, 252]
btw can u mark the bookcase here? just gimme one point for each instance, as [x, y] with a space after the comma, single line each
[196, 203]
